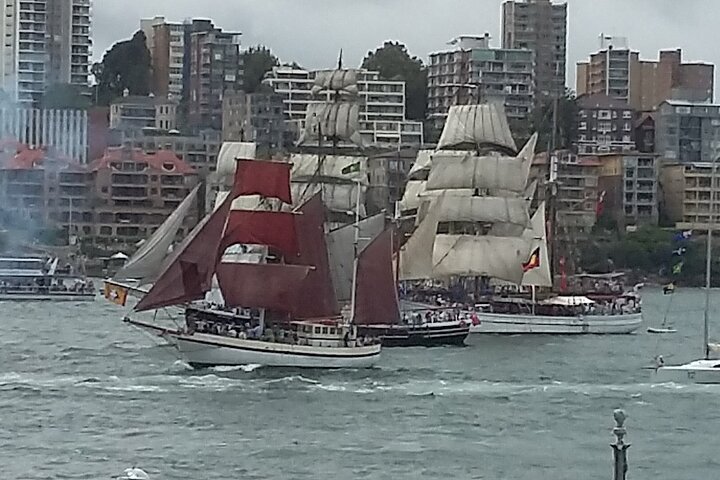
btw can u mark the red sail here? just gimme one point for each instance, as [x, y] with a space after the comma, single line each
[317, 297]
[376, 300]
[268, 179]
[274, 229]
[261, 285]
[188, 274]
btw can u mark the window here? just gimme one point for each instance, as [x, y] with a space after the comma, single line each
[583, 126]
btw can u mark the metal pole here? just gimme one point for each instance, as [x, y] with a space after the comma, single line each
[708, 264]
[620, 466]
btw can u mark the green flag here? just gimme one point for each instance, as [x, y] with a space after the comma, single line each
[677, 268]
[352, 168]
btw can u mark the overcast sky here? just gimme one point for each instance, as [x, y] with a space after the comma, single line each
[311, 32]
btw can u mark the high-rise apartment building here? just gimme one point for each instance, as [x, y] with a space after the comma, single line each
[687, 132]
[541, 26]
[44, 42]
[474, 72]
[617, 71]
[215, 67]
[166, 43]
[382, 105]
[605, 124]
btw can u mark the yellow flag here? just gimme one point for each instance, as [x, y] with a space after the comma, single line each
[116, 294]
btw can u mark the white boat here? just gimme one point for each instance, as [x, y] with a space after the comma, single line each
[705, 370]
[37, 279]
[557, 325]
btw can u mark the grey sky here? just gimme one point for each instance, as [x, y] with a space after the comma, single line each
[312, 31]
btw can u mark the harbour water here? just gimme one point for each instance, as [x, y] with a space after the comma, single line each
[82, 396]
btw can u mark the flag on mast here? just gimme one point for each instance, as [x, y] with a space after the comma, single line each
[533, 261]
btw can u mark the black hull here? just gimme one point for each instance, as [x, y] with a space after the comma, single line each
[417, 336]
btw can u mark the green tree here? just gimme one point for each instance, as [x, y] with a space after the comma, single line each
[394, 62]
[127, 65]
[257, 61]
[541, 121]
[65, 96]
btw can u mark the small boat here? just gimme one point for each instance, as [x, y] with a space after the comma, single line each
[39, 279]
[661, 330]
[705, 370]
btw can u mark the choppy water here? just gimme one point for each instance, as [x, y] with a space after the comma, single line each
[82, 396]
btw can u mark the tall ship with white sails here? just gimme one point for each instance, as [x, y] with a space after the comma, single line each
[474, 222]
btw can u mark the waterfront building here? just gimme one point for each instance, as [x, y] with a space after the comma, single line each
[605, 124]
[629, 181]
[688, 192]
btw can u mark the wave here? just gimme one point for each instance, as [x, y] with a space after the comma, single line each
[234, 368]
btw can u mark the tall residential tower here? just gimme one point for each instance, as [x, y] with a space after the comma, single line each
[540, 26]
[45, 42]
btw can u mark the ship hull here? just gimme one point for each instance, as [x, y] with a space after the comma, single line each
[46, 297]
[496, 323]
[202, 350]
[698, 372]
[426, 335]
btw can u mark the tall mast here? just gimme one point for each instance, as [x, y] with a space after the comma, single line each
[708, 263]
[353, 294]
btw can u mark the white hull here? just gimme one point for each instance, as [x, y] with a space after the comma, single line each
[699, 371]
[46, 297]
[496, 323]
[201, 350]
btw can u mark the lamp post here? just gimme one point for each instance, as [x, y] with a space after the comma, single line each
[619, 446]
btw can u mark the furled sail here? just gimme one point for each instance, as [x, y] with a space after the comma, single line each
[333, 121]
[376, 299]
[343, 81]
[416, 256]
[541, 275]
[421, 167]
[471, 255]
[147, 262]
[477, 126]
[340, 168]
[341, 248]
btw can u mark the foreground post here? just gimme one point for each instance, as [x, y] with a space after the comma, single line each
[620, 447]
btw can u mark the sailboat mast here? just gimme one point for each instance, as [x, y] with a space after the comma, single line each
[708, 264]
[353, 294]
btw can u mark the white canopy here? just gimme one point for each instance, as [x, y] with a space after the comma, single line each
[119, 256]
[568, 301]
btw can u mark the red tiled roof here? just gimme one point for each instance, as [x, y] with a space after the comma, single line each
[158, 161]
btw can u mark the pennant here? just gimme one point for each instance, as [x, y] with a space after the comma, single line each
[116, 294]
[677, 268]
[533, 261]
[352, 168]
[600, 207]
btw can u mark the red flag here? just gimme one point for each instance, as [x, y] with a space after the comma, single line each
[533, 261]
[600, 206]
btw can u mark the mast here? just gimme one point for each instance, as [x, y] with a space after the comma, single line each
[708, 264]
[353, 295]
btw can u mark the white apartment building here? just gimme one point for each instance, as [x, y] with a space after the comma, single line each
[471, 71]
[44, 42]
[382, 112]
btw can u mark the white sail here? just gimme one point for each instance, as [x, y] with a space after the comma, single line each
[229, 153]
[476, 125]
[488, 173]
[342, 81]
[511, 210]
[309, 167]
[421, 167]
[339, 121]
[471, 255]
[337, 197]
[413, 196]
[341, 251]
[540, 276]
[416, 256]
[146, 263]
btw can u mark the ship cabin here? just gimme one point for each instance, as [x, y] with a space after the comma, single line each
[326, 332]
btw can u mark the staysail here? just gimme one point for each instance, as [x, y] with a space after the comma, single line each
[541, 275]
[376, 299]
[147, 262]
[341, 247]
